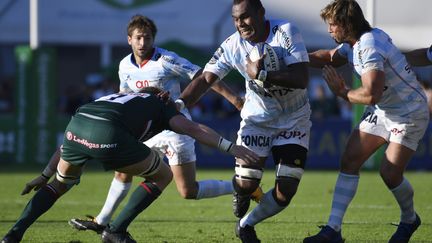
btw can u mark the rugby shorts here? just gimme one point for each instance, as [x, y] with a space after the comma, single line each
[178, 149]
[102, 141]
[406, 131]
[261, 138]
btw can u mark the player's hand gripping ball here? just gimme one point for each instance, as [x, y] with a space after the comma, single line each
[271, 61]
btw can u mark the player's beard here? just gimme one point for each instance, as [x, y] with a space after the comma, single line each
[144, 53]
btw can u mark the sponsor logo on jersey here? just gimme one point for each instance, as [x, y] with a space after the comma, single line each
[168, 59]
[287, 44]
[142, 84]
[257, 140]
[218, 53]
[188, 68]
[270, 90]
[72, 137]
[408, 68]
[128, 77]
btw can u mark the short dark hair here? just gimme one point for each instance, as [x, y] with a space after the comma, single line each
[348, 14]
[256, 4]
[141, 22]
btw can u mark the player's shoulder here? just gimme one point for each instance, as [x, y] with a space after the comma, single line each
[127, 60]
[282, 25]
[165, 55]
[232, 40]
[374, 37]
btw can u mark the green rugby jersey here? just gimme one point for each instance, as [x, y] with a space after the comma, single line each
[143, 114]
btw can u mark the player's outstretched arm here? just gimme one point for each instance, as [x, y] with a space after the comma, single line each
[320, 58]
[420, 57]
[197, 88]
[208, 136]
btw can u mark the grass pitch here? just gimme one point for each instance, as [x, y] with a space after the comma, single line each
[173, 219]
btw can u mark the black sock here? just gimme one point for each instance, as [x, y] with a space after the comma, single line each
[38, 205]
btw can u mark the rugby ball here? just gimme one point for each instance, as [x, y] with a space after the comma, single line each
[271, 61]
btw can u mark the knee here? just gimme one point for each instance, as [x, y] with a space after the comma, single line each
[123, 177]
[60, 187]
[348, 165]
[245, 186]
[246, 179]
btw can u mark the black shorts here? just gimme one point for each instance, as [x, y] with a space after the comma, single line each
[290, 154]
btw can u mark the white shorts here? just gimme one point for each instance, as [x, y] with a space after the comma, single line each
[179, 149]
[261, 139]
[402, 130]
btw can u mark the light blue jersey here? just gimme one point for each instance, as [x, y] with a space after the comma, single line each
[270, 106]
[403, 95]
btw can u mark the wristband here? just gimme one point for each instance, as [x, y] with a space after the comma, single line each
[225, 145]
[429, 53]
[47, 172]
[180, 102]
[262, 75]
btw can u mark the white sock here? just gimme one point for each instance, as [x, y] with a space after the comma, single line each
[404, 194]
[265, 209]
[213, 188]
[345, 189]
[116, 194]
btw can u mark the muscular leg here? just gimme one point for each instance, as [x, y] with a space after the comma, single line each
[290, 159]
[246, 182]
[393, 166]
[147, 192]
[359, 148]
[185, 179]
[45, 197]
[189, 188]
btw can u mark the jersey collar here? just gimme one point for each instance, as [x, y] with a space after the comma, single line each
[133, 60]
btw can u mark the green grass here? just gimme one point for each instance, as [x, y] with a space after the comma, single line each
[172, 219]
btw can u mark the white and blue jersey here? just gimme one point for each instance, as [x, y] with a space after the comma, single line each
[403, 96]
[270, 106]
[165, 70]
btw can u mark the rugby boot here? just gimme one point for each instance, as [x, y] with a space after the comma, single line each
[246, 234]
[326, 235]
[110, 237]
[240, 204]
[87, 224]
[404, 231]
